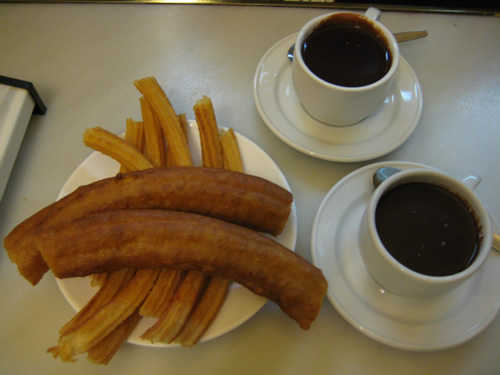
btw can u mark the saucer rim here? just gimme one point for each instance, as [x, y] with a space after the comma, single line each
[361, 324]
[324, 155]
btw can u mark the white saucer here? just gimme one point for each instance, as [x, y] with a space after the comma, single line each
[375, 136]
[405, 323]
[241, 304]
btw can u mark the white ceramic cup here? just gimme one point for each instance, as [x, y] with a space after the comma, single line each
[394, 276]
[340, 105]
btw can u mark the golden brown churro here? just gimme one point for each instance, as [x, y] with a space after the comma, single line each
[103, 351]
[134, 134]
[247, 200]
[147, 133]
[114, 282]
[230, 152]
[216, 289]
[154, 150]
[204, 312]
[211, 151]
[173, 319]
[158, 301]
[191, 287]
[110, 144]
[107, 319]
[167, 118]
[162, 293]
[159, 238]
[155, 144]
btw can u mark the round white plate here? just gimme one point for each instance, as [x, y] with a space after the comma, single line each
[375, 136]
[241, 304]
[405, 323]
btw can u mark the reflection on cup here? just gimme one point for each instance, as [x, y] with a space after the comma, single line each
[344, 66]
[424, 233]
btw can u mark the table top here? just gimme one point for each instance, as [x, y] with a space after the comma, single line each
[83, 59]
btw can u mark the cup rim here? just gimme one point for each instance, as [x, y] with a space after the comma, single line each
[309, 27]
[456, 186]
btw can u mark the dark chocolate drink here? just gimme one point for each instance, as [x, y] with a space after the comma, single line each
[347, 51]
[427, 228]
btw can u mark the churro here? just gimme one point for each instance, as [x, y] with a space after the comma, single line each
[158, 238]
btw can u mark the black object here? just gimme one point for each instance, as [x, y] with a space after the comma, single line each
[40, 107]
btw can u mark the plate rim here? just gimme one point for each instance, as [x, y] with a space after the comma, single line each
[290, 229]
[322, 154]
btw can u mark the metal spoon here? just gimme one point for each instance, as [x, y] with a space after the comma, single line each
[400, 38]
[384, 173]
[290, 52]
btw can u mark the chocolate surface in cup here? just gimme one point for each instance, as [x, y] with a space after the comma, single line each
[347, 50]
[427, 229]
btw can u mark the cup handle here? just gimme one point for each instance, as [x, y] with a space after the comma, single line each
[372, 13]
[471, 180]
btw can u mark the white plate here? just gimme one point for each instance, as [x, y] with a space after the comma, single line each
[241, 304]
[405, 323]
[375, 136]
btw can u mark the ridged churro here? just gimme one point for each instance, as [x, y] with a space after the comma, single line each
[243, 199]
[211, 150]
[155, 144]
[214, 294]
[106, 320]
[134, 134]
[158, 238]
[167, 119]
[191, 289]
[104, 141]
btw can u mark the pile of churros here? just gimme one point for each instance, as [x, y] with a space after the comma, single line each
[164, 238]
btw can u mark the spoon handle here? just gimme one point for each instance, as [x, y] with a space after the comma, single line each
[410, 35]
[496, 241]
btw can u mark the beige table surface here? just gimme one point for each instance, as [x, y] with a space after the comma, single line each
[83, 60]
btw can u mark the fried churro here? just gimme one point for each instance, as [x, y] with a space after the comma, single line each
[114, 282]
[155, 144]
[191, 288]
[243, 199]
[110, 144]
[231, 156]
[157, 238]
[104, 350]
[167, 118]
[211, 151]
[106, 319]
[134, 134]
[216, 289]
[174, 317]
